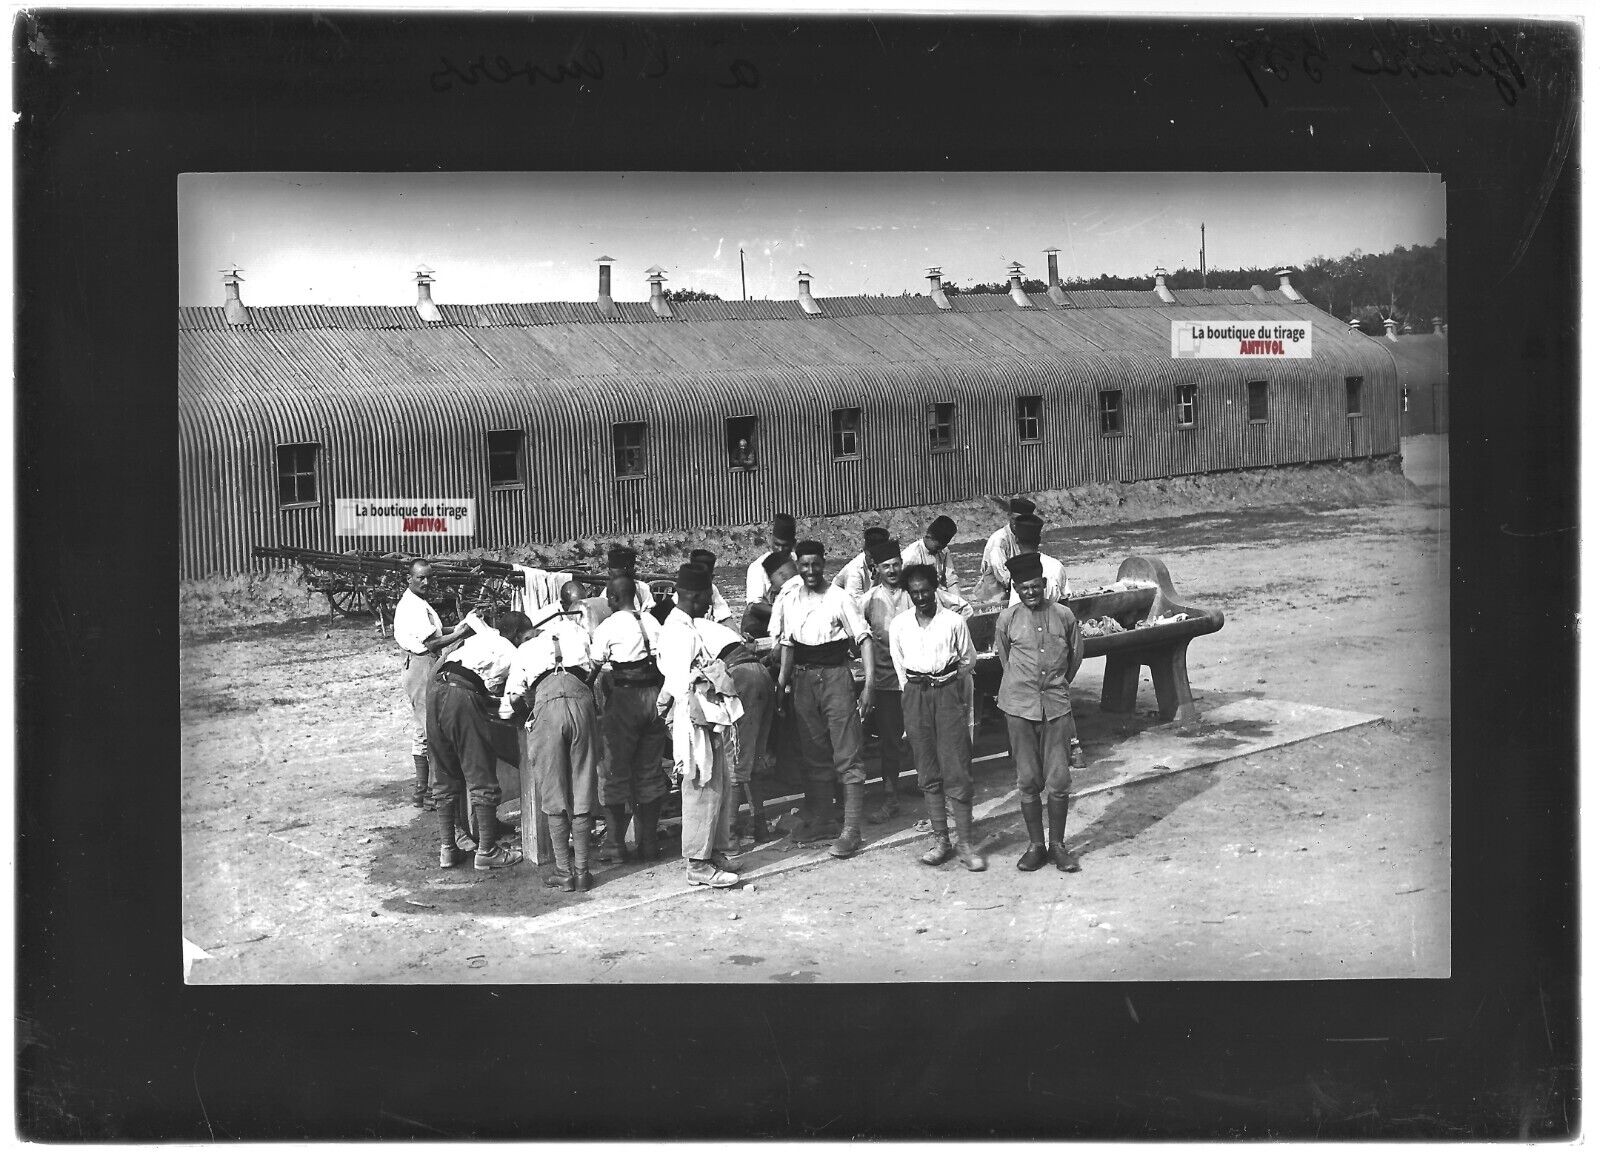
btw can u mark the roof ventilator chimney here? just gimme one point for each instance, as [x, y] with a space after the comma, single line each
[1053, 282]
[807, 303]
[1162, 292]
[658, 297]
[1389, 326]
[1018, 295]
[1259, 291]
[936, 288]
[427, 311]
[608, 309]
[1355, 325]
[1285, 288]
[233, 309]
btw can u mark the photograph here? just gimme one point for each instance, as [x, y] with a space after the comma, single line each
[842, 577]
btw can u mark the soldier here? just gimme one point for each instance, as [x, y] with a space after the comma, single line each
[933, 547]
[719, 612]
[1040, 648]
[699, 750]
[635, 738]
[622, 561]
[1002, 543]
[780, 570]
[420, 633]
[1029, 529]
[814, 624]
[933, 654]
[561, 747]
[856, 577]
[752, 681]
[465, 739]
[756, 577]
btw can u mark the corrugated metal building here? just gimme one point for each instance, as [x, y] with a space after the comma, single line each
[563, 420]
[1423, 363]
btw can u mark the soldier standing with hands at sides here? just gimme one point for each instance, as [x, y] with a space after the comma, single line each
[755, 577]
[466, 739]
[933, 654]
[561, 755]
[706, 775]
[814, 624]
[1040, 649]
[635, 737]
[420, 633]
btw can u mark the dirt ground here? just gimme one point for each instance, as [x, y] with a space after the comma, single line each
[1330, 857]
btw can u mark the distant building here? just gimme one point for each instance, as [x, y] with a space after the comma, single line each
[593, 419]
[1423, 363]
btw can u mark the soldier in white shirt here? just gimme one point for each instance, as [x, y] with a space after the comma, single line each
[561, 744]
[933, 653]
[623, 561]
[757, 620]
[631, 782]
[703, 790]
[933, 547]
[1002, 545]
[857, 576]
[755, 577]
[466, 739]
[420, 634]
[815, 624]
[1030, 529]
[719, 612]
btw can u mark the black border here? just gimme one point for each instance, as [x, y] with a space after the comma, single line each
[112, 1046]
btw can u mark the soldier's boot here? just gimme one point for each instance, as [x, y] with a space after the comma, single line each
[1035, 856]
[889, 805]
[464, 838]
[449, 854]
[941, 851]
[581, 836]
[645, 818]
[813, 815]
[561, 877]
[849, 840]
[1064, 859]
[961, 813]
[491, 855]
[419, 786]
[615, 847]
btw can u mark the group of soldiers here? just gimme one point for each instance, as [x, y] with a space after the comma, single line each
[586, 702]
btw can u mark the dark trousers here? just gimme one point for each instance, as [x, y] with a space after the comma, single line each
[936, 724]
[1043, 754]
[464, 742]
[756, 695]
[829, 724]
[635, 738]
[888, 725]
[563, 745]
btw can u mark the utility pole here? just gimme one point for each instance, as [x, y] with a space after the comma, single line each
[742, 292]
[1202, 255]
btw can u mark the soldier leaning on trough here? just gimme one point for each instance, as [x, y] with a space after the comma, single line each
[756, 577]
[1040, 649]
[466, 739]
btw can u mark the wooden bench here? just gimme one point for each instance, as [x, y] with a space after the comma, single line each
[1163, 649]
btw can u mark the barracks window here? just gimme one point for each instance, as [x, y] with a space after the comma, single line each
[846, 433]
[1030, 409]
[1258, 402]
[1186, 395]
[297, 474]
[505, 459]
[1352, 396]
[627, 441]
[942, 427]
[1110, 413]
[741, 439]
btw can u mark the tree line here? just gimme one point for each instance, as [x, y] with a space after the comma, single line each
[1406, 284]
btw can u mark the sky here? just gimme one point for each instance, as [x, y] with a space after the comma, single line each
[357, 238]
